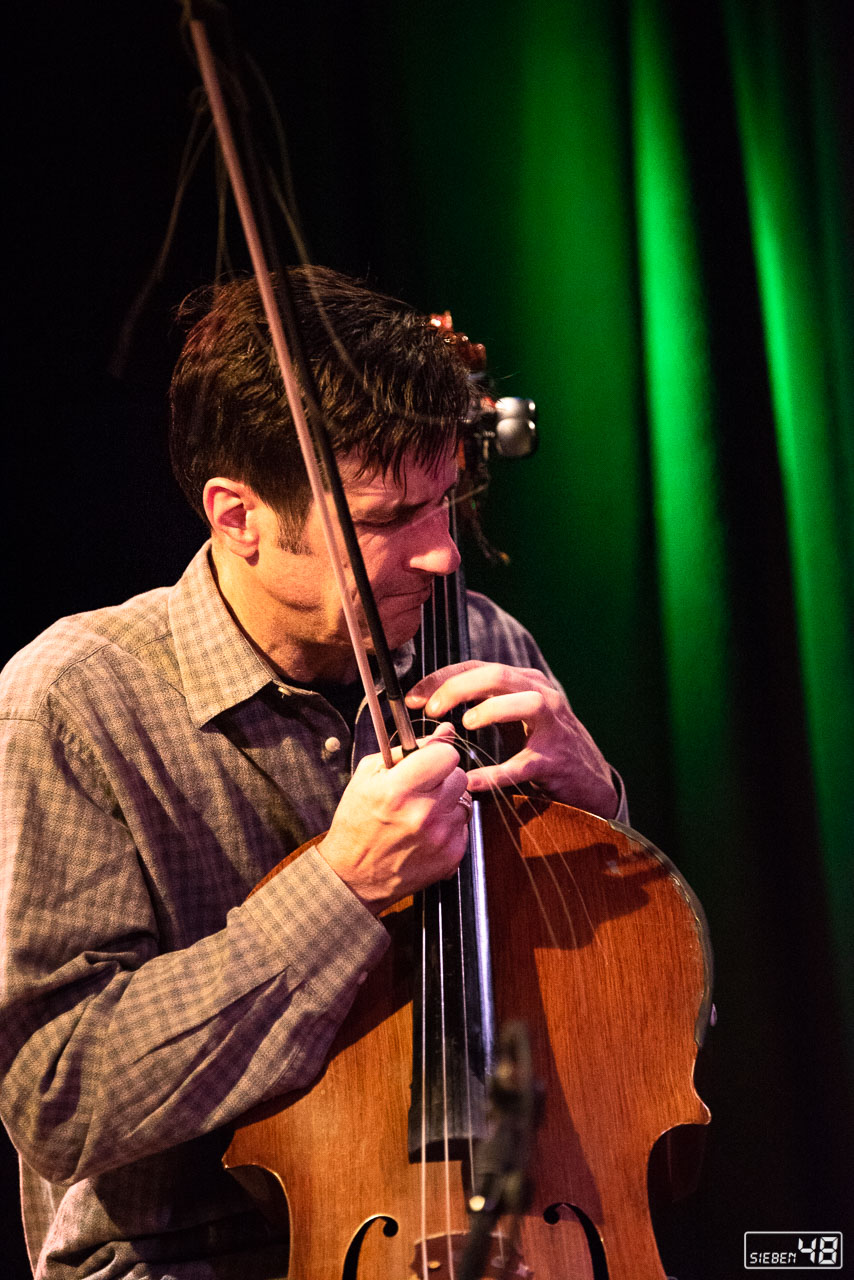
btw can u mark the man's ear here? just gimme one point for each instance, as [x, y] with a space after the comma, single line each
[232, 509]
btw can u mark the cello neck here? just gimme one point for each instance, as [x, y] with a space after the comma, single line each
[453, 1006]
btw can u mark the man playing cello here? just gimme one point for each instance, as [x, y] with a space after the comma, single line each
[161, 756]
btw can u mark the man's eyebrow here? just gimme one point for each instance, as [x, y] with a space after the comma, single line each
[399, 506]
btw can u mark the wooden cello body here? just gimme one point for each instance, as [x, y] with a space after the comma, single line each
[601, 948]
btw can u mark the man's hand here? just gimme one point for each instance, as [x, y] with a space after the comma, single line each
[397, 830]
[557, 753]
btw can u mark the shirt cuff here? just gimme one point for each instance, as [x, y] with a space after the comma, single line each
[316, 924]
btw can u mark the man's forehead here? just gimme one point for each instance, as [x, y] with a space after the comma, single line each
[412, 482]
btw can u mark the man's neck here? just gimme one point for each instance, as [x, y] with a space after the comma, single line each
[271, 638]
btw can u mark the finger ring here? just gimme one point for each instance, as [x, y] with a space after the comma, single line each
[466, 801]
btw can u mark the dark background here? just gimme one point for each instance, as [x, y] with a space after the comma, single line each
[100, 112]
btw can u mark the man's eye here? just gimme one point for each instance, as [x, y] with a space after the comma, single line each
[376, 522]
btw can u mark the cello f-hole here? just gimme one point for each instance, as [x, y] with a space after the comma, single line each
[350, 1270]
[552, 1215]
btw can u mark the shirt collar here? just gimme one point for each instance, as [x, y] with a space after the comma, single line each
[219, 668]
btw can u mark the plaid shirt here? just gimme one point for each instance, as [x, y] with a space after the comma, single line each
[155, 771]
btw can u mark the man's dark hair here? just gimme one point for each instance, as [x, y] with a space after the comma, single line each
[390, 386]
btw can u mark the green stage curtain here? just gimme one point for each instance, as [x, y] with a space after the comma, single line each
[644, 210]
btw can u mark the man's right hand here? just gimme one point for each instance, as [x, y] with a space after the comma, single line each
[397, 830]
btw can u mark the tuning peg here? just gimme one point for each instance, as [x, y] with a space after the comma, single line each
[515, 427]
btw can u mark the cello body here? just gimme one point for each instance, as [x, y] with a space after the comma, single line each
[601, 949]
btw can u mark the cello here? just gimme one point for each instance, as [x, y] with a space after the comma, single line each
[600, 949]
[583, 933]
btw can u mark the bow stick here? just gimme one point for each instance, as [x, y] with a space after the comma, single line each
[315, 446]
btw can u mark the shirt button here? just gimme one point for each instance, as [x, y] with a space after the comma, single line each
[331, 745]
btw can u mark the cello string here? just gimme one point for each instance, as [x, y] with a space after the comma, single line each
[437, 634]
[506, 809]
[507, 812]
[469, 1109]
[510, 821]
[545, 858]
[441, 945]
[423, 994]
[423, 1078]
[445, 1138]
[447, 657]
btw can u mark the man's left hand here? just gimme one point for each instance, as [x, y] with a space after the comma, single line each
[558, 754]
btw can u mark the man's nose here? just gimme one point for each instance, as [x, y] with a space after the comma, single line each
[435, 551]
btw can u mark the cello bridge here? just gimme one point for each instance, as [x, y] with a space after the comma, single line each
[440, 1257]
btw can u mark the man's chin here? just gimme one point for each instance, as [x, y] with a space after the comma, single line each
[401, 624]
